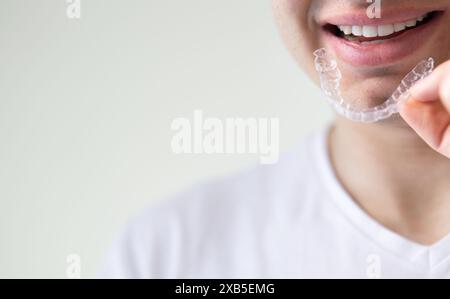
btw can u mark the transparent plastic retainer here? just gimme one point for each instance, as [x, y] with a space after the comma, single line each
[330, 77]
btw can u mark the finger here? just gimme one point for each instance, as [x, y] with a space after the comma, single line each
[427, 110]
[430, 120]
[444, 91]
[432, 87]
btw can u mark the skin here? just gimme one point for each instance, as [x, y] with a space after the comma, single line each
[397, 170]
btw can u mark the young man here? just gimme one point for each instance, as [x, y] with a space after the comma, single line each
[354, 200]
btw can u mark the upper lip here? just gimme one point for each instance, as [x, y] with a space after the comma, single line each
[388, 16]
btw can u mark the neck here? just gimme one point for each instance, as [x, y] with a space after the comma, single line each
[394, 176]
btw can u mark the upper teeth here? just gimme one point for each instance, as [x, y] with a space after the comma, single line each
[381, 30]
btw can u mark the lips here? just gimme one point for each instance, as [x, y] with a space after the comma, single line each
[361, 41]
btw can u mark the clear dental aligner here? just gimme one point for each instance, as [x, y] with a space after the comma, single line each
[330, 77]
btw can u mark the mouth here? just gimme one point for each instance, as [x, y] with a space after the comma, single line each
[369, 42]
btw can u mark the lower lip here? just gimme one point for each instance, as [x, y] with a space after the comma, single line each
[387, 52]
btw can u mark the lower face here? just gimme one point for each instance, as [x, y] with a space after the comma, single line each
[373, 54]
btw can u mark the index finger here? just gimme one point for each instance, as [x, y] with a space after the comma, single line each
[434, 87]
[427, 109]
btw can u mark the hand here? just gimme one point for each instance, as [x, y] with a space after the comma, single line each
[427, 111]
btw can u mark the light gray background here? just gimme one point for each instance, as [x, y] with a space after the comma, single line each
[86, 107]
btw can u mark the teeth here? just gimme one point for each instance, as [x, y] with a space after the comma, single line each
[399, 27]
[370, 31]
[357, 30]
[346, 29]
[382, 30]
[411, 23]
[385, 30]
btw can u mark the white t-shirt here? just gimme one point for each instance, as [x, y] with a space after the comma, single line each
[288, 220]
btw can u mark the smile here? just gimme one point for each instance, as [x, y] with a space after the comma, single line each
[361, 41]
[368, 33]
